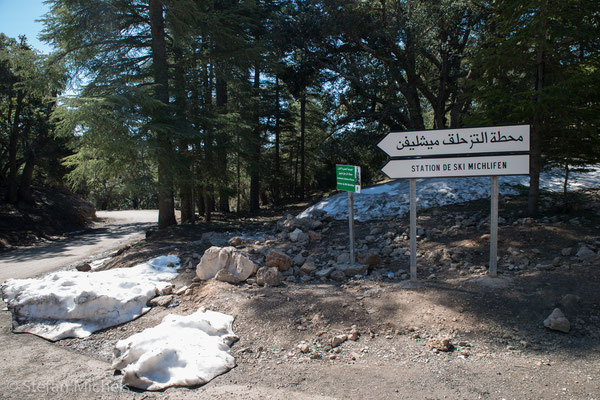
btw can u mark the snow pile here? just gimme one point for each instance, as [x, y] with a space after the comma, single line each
[75, 304]
[390, 199]
[181, 351]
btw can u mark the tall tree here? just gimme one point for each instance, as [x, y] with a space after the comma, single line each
[530, 52]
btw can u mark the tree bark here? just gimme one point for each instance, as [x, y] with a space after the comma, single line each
[255, 146]
[166, 210]
[12, 195]
[302, 140]
[277, 182]
[535, 157]
[221, 100]
[27, 179]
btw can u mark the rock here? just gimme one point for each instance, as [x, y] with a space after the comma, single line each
[351, 269]
[314, 236]
[308, 267]
[584, 253]
[165, 290]
[325, 272]
[236, 265]
[315, 355]
[440, 344]
[304, 348]
[567, 252]
[557, 321]
[343, 258]
[162, 301]
[337, 275]
[84, 267]
[570, 302]
[285, 223]
[337, 340]
[318, 214]
[353, 334]
[298, 259]
[298, 236]
[268, 276]
[181, 290]
[278, 260]
[235, 241]
[372, 259]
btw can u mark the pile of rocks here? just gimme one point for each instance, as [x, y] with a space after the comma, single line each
[294, 252]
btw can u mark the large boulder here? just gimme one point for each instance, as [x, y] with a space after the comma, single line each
[225, 264]
[278, 260]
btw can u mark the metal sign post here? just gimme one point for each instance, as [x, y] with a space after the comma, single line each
[494, 227]
[490, 151]
[351, 224]
[413, 229]
[348, 179]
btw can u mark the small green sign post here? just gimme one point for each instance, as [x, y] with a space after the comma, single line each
[348, 179]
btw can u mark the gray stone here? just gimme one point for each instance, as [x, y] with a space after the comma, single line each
[343, 258]
[298, 259]
[337, 275]
[557, 321]
[278, 260]
[268, 276]
[161, 301]
[324, 273]
[298, 236]
[351, 269]
[308, 267]
[567, 252]
[585, 253]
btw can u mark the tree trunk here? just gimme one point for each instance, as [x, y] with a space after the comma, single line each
[27, 179]
[255, 146]
[166, 210]
[535, 157]
[12, 195]
[185, 179]
[302, 140]
[221, 91]
[277, 182]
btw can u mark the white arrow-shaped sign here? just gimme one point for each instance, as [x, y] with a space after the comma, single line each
[495, 139]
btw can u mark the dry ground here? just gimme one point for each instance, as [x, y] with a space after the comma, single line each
[500, 347]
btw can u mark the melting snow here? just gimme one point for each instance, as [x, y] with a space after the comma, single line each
[390, 199]
[180, 351]
[75, 304]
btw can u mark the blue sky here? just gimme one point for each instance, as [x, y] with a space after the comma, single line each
[17, 17]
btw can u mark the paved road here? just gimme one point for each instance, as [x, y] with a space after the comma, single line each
[115, 229]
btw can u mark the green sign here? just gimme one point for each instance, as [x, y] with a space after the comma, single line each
[348, 178]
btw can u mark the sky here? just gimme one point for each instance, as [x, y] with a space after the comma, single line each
[17, 17]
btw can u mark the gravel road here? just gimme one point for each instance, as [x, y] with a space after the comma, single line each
[113, 229]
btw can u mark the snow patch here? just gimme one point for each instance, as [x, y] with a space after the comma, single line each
[75, 304]
[392, 198]
[181, 351]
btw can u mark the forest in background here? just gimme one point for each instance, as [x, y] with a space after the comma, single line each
[234, 105]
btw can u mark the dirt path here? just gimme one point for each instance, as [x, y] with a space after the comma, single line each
[114, 229]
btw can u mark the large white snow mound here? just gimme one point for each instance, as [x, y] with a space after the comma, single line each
[181, 351]
[75, 304]
[390, 199]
